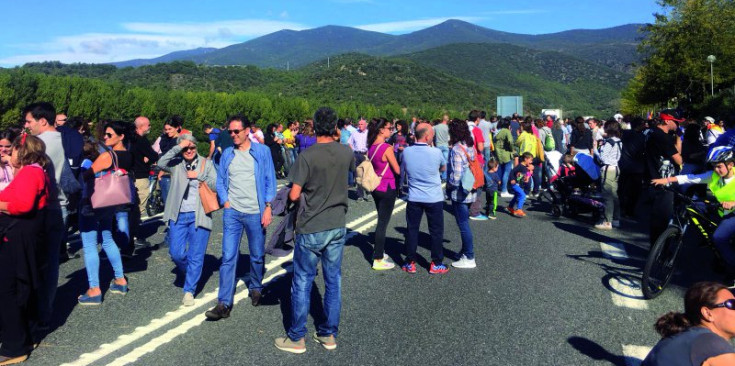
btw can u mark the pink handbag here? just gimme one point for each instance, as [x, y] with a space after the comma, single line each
[113, 188]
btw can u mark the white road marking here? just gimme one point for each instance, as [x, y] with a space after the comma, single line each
[184, 327]
[156, 324]
[624, 293]
[614, 250]
[634, 355]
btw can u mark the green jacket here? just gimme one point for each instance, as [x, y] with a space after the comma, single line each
[504, 146]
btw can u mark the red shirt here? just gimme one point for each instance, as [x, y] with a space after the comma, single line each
[477, 136]
[28, 191]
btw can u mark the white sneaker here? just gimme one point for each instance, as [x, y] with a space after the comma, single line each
[604, 226]
[188, 299]
[383, 264]
[464, 262]
[506, 195]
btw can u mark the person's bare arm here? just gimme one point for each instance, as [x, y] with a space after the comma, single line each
[295, 192]
[721, 360]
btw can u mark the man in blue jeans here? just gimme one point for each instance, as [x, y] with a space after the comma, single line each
[318, 183]
[422, 165]
[243, 166]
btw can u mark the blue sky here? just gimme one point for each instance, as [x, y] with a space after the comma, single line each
[106, 31]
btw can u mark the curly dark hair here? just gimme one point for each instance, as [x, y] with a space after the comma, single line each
[701, 294]
[460, 132]
[374, 129]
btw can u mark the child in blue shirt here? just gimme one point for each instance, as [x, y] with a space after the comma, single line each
[492, 183]
[518, 183]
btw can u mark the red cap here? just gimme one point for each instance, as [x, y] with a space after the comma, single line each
[668, 117]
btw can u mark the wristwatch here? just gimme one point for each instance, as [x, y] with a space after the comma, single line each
[267, 204]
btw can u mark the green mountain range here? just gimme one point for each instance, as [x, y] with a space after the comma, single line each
[612, 47]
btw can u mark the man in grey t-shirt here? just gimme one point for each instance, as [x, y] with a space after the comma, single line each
[318, 177]
[441, 141]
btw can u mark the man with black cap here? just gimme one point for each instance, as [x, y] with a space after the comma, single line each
[663, 159]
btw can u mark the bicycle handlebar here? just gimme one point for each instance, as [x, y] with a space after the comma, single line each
[690, 201]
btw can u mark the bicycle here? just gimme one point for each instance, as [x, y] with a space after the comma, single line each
[154, 205]
[662, 258]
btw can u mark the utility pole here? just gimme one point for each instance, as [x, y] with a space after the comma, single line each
[327, 62]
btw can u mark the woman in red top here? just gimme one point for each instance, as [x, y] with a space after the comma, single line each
[21, 217]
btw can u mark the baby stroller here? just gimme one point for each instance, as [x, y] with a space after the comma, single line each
[579, 193]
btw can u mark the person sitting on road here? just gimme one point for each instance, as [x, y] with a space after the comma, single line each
[187, 221]
[721, 181]
[702, 334]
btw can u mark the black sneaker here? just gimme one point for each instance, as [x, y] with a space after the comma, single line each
[142, 243]
[221, 311]
[255, 296]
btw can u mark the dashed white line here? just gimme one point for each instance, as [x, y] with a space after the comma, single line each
[184, 327]
[156, 324]
[634, 355]
[625, 292]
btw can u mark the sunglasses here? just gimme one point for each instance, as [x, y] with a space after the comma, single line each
[190, 148]
[730, 304]
[108, 135]
[236, 132]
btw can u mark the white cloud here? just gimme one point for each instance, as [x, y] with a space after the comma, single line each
[238, 28]
[284, 14]
[411, 25]
[147, 40]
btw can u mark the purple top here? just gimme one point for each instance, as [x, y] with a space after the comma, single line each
[388, 180]
[305, 141]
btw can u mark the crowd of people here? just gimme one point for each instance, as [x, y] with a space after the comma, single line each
[58, 173]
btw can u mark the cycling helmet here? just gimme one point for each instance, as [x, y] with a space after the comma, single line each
[720, 154]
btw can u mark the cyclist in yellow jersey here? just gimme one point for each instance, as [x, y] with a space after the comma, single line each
[721, 181]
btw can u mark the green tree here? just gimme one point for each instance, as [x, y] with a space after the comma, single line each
[676, 47]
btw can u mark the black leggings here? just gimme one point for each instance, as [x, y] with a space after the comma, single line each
[384, 203]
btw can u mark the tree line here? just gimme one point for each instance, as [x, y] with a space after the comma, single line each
[96, 99]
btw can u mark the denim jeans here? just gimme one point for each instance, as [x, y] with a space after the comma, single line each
[504, 172]
[445, 154]
[486, 153]
[55, 225]
[721, 237]
[462, 216]
[89, 226]
[435, 219]
[189, 261]
[165, 184]
[519, 197]
[310, 248]
[235, 223]
[294, 154]
[359, 158]
[538, 172]
[122, 232]
[288, 158]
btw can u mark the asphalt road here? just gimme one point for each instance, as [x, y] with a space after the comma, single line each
[546, 291]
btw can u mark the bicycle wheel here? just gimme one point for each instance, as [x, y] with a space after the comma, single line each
[661, 262]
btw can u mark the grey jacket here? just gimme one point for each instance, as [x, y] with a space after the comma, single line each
[172, 162]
